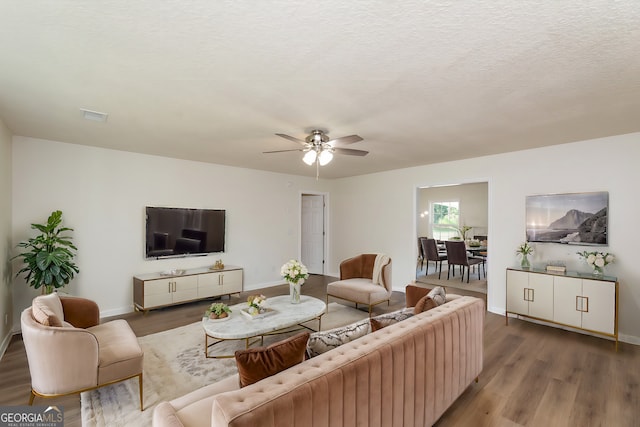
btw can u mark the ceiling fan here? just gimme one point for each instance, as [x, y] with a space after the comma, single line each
[319, 149]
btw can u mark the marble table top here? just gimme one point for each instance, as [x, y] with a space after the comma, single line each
[285, 315]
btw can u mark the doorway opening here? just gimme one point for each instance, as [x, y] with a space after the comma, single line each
[453, 212]
[313, 231]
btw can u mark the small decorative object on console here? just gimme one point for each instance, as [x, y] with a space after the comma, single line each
[295, 273]
[219, 265]
[525, 249]
[217, 311]
[256, 304]
[556, 269]
[597, 260]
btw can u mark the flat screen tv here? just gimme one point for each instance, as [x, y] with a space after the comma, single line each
[573, 218]
[179, 232]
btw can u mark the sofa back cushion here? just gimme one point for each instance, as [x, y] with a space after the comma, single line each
[256, 364]
[360, 266]
[47, 310]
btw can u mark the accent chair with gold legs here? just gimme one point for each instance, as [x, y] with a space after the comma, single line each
[364, 279]
[70, 352]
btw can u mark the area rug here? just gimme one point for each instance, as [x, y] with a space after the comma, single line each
[174, 364]
[474, 284]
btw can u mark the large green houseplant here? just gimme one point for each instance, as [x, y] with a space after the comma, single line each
[48, 257]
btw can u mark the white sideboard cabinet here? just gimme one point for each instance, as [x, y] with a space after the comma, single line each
[155, 290]
[580, 301]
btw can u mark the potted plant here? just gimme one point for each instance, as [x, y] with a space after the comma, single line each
[524, 250]
[48, 257]
[218, 310]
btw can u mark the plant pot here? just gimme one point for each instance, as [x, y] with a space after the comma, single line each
[294, 292]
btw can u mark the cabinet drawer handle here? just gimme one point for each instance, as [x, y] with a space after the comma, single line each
[582, 304]
[528, 294]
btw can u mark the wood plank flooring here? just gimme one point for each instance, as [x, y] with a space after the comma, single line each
[533, 375]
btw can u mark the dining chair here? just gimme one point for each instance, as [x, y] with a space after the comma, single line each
[430, 250]
[421, 253]
[457, 255]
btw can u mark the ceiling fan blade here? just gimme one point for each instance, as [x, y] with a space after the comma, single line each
[282, 151]
[350, 151]
[291, 138]
[344, 140]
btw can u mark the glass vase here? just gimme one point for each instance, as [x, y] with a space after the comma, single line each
[294, 292]
[524, 262]
[598, 271]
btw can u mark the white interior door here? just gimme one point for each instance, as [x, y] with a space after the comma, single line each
[312, 238]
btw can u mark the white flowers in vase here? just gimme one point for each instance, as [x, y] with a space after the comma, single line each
[597, 260]
[294, 272]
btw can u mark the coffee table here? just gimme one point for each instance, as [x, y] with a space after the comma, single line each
[286, 317]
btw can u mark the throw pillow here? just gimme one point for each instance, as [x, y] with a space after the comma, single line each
[391, 318]
[47, 310]
[323, 341]
[256, 364]
[376, 325]
[437, 296]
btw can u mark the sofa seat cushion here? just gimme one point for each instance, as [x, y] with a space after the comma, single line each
[358, 290]
[120, 355]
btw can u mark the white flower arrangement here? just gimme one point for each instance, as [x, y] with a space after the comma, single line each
[597, 260]
[524, 249]
[294, 272]
[256, 304]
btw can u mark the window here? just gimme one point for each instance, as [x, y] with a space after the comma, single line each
[445, 220]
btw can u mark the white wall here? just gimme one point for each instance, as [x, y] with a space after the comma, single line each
[6, 310]
[377, 212]
[103, 193]
[473, 199]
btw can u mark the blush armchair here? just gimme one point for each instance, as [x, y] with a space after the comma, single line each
[358, 284]
[70, 352]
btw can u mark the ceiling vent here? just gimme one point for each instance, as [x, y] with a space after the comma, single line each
[95, 116]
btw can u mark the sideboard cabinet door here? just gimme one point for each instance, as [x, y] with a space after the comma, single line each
[600, 314]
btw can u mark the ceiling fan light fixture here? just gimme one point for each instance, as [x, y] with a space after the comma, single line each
[325, 157]
[310, 157]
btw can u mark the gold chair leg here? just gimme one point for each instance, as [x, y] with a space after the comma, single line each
[33, 396]
[141, 394]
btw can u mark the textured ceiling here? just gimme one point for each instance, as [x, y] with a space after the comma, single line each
[421, 82]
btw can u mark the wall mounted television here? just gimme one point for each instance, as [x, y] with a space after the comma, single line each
[572, 218]
[180, 232]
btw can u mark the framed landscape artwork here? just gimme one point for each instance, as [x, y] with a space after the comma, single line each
[573, 218]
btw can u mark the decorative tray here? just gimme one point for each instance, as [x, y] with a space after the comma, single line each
[267, 312]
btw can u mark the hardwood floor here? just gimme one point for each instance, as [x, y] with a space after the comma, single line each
[533, 375]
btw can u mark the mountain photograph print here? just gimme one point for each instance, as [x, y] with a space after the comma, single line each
[575, 218]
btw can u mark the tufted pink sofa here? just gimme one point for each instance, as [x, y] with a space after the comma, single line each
[406, 374]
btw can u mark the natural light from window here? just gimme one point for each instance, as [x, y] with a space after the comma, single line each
[444, 220]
